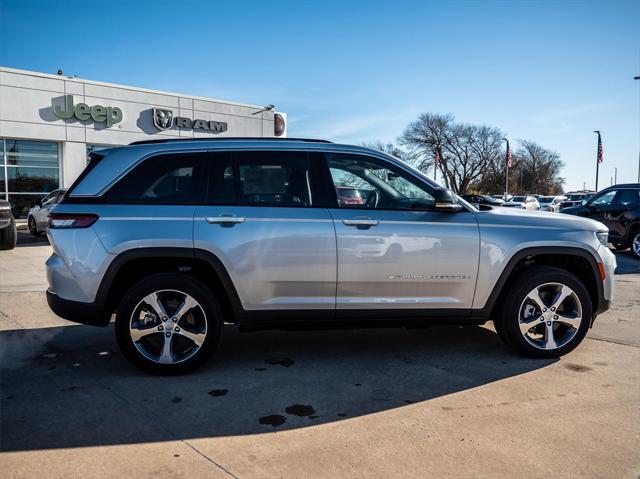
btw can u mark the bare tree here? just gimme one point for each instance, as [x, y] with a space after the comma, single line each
[534, 170]
[460, 151]
[388, 148]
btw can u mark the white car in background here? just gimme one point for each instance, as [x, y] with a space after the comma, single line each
[522, 202]
[38, 219]
[550, 203]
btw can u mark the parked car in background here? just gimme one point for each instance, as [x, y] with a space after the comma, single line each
[38, 218]
[618, 208]
[483, 200]
[270, 246]
[522, 202]
[502, 197]
[8, 232]
[550, 203]
[349, 196]
[573, 199]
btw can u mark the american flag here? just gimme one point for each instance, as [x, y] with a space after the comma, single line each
[600, 149]
[509, 159]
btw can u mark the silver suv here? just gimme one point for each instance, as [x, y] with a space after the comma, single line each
[177, 237]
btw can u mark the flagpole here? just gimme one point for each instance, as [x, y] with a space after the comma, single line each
[506, 186]
[597, 158]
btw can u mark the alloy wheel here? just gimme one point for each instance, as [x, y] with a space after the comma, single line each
[550, 316]
[168, 326]
[636, 244]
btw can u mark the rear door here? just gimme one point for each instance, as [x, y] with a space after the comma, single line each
[395, 252]
[266, 222]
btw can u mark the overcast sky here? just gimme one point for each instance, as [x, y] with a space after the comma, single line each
[551, 72]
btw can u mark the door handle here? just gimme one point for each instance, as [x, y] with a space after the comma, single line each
[224, 220]
[361, 223]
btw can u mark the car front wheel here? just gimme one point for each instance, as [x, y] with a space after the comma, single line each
[9, 236]
[546, 312]
[635, 245]
[169, 323]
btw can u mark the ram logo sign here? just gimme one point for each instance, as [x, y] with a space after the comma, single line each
[164, 120]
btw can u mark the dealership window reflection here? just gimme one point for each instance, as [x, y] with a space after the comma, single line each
[30, 170]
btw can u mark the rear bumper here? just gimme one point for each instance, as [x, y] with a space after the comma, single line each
[85, 313]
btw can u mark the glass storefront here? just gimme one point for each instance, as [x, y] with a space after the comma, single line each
[30, 170]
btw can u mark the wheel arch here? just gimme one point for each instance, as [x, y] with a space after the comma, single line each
[576, 260]
[131, 266]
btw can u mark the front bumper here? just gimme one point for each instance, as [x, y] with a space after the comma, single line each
[85, 313]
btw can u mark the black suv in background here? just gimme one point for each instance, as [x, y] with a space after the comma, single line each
[618, 207]
[483, 200]
[8, 233]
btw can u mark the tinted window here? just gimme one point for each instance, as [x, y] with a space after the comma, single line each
[628, 198]
[605, 199]
[379, 185]
[274, 178]
[221, 187]
[172, 178]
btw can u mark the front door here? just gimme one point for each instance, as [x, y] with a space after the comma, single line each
[264, 223]
[395, 252]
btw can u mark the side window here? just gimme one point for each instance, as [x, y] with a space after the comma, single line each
[628, 199]
[221, 188]
[363, 182]
[274, 178]
[603, 200]
[50, 198]
[174, 178]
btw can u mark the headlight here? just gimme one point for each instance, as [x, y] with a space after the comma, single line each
[603, 238]
[5, 207]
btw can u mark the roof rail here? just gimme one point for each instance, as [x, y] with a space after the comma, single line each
[150, 142]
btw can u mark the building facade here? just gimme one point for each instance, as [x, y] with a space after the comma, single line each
[48, 124]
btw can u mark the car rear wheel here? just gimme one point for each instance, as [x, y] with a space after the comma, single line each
[546, 312]
[169, 323]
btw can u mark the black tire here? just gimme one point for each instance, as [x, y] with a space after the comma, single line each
[9, 236]
[635, 239]
[33, 226]
[520, 286]
[169, 281]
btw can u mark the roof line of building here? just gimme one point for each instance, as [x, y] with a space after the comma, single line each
[124, 87]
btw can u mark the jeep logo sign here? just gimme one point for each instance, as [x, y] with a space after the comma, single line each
[164, 120]
[82, 111]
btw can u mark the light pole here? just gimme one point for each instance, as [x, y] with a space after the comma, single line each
[638, 78]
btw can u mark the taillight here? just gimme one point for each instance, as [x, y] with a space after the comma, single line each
[279, 124]
[71, 220]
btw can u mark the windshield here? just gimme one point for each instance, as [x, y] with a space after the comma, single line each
[517, 199]
[575, 197]
[545, 199]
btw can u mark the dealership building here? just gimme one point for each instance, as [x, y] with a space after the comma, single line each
[49, 124]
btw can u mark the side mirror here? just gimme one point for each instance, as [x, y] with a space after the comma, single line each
[446, 201]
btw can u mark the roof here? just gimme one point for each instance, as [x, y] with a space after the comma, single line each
[185, 140]
[73, 78]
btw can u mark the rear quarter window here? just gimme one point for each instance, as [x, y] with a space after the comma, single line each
[171, 178]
